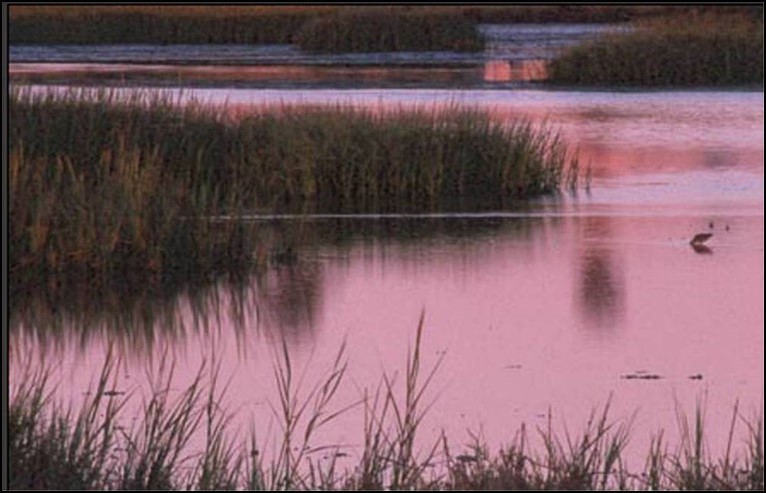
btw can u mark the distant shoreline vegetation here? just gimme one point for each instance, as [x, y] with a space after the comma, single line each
[322, 28]
[108, 187]
[370, 30]
[678, 51]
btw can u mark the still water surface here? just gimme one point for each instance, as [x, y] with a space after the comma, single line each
[547, 307]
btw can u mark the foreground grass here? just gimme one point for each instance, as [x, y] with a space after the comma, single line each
[705, 50]
[54, 447]
[111, 188]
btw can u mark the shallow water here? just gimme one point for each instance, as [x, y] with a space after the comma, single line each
[554, 305]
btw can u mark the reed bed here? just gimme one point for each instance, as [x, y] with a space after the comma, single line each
[92, 202]
[390, 29]
[597, 13]
[703, 50]
[317, 28]
[110, 187]
[157, 24]
[53, 446]
[281, 24]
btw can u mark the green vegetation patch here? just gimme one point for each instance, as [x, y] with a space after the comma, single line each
[107, 187]
[390, 29]
[155, 24]
[317, 28]
[678, 51]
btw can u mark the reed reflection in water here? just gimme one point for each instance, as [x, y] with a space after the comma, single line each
[284, 299]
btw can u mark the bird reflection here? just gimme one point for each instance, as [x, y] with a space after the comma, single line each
[701, 249]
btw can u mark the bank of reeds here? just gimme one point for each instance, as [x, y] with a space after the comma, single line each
[89, 202]
[184, 440]
[331, 29]
[703, 50]
[326, 28]
[542, 14]
[106, 187]
[390, 29]
[166, 24]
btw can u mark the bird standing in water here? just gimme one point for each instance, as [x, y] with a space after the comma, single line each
[700, 238]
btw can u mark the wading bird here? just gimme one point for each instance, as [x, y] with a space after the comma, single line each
[700, 238]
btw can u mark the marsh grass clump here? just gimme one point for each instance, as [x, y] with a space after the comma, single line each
[95, 198]
[325, 28]
[379, 29]
[685, 51]
[105, 186]
[349, 159]
[156, 24]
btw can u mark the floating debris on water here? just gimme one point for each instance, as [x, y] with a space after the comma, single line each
[112, 393]
[698, 376]
[641, 376]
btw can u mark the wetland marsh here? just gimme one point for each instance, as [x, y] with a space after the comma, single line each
[226, 222]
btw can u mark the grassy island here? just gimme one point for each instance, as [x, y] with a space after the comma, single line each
[679, 51]
[103, 186]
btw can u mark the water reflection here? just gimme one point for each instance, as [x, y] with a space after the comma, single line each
[601, 290]
[702, 249]
[514, 70]
[277, 76]
[291, 297]
[284, 299]
[136, 321]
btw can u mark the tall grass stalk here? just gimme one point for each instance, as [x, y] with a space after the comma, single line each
[307, 414]
[390, 458]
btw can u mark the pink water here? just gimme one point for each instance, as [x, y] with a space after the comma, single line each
[534, 310]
